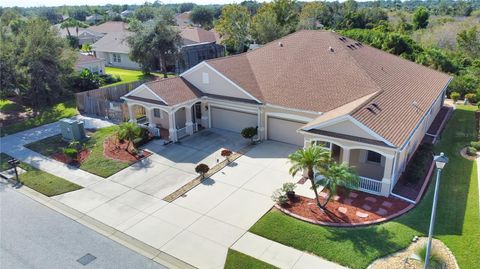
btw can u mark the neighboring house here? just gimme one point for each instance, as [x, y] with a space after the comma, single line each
[198, 45]
[91, 63]
[370, 108]
[183, 19]
[93, 18]
[85, 35]
[126, 13]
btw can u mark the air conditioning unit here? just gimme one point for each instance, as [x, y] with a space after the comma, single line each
[72, 130]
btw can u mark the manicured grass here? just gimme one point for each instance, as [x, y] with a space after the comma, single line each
[128, 75]
[237, 260]
[39, 180]
[96, 163]
[457, 222]
[46, 115]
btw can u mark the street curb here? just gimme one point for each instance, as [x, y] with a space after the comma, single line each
[127, 241]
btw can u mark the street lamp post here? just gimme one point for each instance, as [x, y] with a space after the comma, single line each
[440, 162]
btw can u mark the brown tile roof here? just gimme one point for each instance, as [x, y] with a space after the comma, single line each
[192, 35]
[174, 90]
[110, 27]
[301, 71]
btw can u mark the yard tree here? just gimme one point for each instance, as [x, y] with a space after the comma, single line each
[153, 44]
[265, 27]
[337, 175]
[420, 18]
[311, 159]
[468, 41]
[202, 15]
[233, 27]
[144, 13]
[314, 13]
[286, 13]
[184, 7]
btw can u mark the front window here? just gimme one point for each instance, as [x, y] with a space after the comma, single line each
[374, 157]
[156, 113]
[324, 144]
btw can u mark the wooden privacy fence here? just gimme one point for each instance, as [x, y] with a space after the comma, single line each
[106, 102]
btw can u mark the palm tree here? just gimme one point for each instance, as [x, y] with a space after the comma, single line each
[338, 175]
[310, 159]
[128, 131]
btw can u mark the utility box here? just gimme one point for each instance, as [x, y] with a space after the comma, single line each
[72, 130]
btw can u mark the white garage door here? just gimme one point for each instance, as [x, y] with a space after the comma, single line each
[232, 120]
[284, 131]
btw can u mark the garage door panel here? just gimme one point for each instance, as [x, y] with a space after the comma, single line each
[284, 131]
[232, 120]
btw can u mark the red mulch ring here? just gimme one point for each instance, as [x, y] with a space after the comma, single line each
[82, 156]
[116, 150]
[354, 208]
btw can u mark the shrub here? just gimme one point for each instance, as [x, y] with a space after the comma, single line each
[417, 167]
[471, 151]
[249, 133]
[471, 97]
[288, 186]
[475, 144]
[226, 153]
[202, 169]
[279, 197]
[70, 152]
[455, 96]
[435, 261]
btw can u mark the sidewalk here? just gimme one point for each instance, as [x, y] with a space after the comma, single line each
[280, 255]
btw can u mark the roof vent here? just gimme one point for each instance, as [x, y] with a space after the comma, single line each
[280, 44]
[375, 105]
[371, 110]
[331, 49]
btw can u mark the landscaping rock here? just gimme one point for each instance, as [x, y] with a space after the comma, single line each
[371, 199]
[387, 204]
[348, 201]
[367, 207]
[342, 210]
[361, 214]
[382, 212]
[353, 195]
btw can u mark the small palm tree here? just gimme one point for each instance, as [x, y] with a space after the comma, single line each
[338, 175]
[310, 159]
[128, 131]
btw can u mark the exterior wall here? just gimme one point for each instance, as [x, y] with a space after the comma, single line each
[98, 67]
[180, 118]
[124, 63]
[162, 120]
[348, 128]
[216, 84]
[358, 159]
[145, 93]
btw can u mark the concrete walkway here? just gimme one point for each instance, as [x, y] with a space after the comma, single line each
[280, 255]
[13, 145]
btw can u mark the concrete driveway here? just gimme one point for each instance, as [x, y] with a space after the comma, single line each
[199, 227]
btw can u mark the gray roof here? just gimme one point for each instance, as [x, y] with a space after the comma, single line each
[113, 42]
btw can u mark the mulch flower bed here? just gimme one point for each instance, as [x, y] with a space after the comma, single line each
[116, 150]
[82, 156]
[353, 208]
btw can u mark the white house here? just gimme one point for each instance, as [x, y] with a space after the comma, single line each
[91, 63]
[371, 109]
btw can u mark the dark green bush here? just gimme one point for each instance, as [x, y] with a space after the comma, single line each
[475, 144]
[418, 166]
[471, 151]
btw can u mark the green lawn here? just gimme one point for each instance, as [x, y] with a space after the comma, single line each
[46, 115]
[40, 181]
[96, 163]
[127, 75]
[238, 260]
[457, 222]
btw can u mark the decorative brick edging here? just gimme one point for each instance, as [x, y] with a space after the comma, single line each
[366, 223]
[199, 179]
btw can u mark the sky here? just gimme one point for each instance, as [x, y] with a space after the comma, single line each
[34, 3]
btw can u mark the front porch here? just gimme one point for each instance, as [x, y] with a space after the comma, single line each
[168, 123]
[373, 166]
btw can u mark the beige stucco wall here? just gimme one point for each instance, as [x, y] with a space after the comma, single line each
[348, 128]
[358, 159]
[216, 84]
[145, 93]
[97, 67]
[125, 61]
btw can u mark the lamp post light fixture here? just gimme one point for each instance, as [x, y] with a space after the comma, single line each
[440, 162]
[14, 163]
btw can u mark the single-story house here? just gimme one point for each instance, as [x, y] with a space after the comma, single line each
[85, 35]
[93, 18]
[90, 62]
[183, 19]
[113, 48]
[370, 108]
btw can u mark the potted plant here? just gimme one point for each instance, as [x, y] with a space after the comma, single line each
[226, 153]
[249, 133]
[202, 169]
[288, 188]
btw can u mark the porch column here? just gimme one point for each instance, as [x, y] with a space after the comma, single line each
[188, 121]
[346, 156]
[261, 124]
[150, 116]
[172, 130]
[205, 114]
[387, 176]
[131, 113]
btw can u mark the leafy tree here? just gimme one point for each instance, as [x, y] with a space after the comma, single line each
[311, 159]
[153, 43]
[85, 81]
[233, 27]
[315, 13]
[337, 175]
[129, 131]
[50, 14]
[265, 27]
[468, 41]
[202, 15]
[249, 133]
[144, 13]
[420, 18]
[202, 169]
[251, 5]
[184, 7]
[286, 13]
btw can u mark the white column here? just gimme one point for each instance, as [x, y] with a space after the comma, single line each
[131, 113]
[172, 130]
[387, 176]
[188, 122]
[150, 116]
[261, 124]
[205, 114]
[346, 156]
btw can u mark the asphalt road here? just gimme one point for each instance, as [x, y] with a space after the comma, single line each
[35, 236]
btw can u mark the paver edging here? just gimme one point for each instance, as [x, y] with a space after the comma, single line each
[199, 179]
[127, 241]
